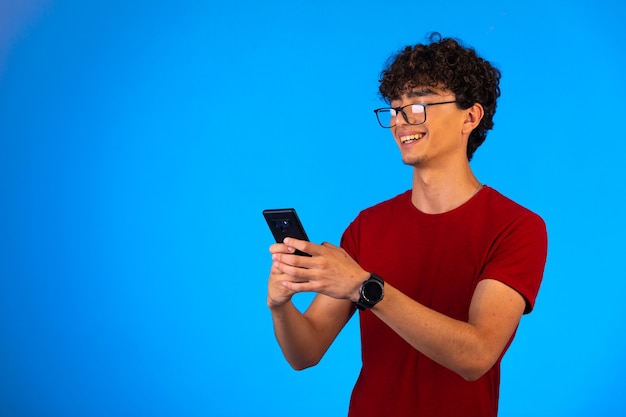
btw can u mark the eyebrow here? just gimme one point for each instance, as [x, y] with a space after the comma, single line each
[421, 92]
[416, 92]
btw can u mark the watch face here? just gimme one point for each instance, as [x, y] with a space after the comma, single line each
[373, 291]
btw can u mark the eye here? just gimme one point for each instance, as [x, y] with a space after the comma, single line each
[417, 108]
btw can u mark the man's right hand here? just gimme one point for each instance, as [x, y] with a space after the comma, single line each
[277, 294]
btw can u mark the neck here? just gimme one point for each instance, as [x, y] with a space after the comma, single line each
[439, 192]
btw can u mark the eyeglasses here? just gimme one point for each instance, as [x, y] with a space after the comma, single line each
[413, 114]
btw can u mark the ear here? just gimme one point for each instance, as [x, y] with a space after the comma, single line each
[473, 117]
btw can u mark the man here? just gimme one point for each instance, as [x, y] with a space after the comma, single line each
[441, 274]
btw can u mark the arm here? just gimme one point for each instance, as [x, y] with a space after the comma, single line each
[467, 348]
[303, 338]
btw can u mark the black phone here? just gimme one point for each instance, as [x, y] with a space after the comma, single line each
[285, 223]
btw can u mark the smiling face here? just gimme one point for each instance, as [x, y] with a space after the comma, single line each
[447, 64]
[441, 138]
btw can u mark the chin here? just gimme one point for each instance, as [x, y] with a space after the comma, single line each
[413, 161]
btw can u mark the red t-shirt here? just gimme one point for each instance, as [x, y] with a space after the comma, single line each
[438, 259]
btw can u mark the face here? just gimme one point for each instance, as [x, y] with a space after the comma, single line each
[440, 139]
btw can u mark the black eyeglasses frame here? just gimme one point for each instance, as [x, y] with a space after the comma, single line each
[404, 115]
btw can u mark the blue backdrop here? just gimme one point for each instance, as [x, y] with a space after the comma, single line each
[140, 141]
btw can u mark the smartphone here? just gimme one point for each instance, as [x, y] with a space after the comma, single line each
[285, 223]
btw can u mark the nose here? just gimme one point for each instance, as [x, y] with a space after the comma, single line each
[400, 118]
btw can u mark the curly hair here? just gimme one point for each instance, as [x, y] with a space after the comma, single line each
[446, 64]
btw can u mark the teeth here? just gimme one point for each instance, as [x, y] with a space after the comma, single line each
[411, 138]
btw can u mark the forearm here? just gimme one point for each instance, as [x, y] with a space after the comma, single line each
[305, 338]
[468, 348]
[449, 342]
[296, 336]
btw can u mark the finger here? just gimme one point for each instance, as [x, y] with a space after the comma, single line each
[329, 245]
[275, 270]
[297, 287]
[292, 260]
[281, 248]
[293, 272]
[302, 245]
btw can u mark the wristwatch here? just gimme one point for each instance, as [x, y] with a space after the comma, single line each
[371, 292]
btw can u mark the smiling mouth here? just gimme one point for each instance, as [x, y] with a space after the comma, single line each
[411, 138]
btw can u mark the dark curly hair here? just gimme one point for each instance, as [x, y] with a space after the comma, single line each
[445, 63]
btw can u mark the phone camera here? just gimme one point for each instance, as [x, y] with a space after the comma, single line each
[282, 225]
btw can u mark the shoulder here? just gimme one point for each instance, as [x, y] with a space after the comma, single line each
[371, 220]
[518, 244]
[497, 206]
[393, 205]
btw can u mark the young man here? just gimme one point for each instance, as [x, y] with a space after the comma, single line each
[441, 274]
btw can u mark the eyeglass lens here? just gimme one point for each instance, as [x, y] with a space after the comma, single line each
[413, 114]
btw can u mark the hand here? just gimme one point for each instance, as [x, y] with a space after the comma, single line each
[329, 270]
[277, 293]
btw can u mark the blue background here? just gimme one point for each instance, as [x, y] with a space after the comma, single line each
[140, 141]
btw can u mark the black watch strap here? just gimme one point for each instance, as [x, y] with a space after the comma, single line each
[371, 292]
